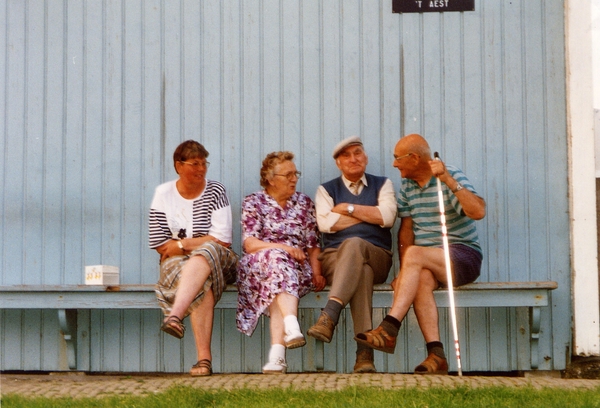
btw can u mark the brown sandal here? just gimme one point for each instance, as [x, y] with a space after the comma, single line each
[173, 326]
[377, 339]
[433, 364]
[202, 368]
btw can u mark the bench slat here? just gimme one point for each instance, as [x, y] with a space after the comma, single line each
[78, 300]
[480, 294]
[550, 285]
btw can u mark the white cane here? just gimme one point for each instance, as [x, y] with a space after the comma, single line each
[448, 268]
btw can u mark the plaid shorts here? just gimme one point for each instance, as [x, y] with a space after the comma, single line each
[222, 263]
[466, 264]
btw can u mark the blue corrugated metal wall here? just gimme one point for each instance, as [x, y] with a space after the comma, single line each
[96, 95]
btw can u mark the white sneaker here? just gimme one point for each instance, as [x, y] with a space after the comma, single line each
[275, 367]
[294, 339]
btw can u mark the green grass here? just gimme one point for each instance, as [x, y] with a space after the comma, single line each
[462, 397]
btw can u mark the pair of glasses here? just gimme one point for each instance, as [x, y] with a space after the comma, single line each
[290, 176]
[197, 164]
[397, 158]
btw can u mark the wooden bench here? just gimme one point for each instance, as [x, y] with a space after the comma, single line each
[68, 299]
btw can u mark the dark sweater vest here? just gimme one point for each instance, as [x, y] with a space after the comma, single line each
[372, 233]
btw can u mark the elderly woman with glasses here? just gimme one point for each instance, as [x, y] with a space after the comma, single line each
[190, 227]
[279, 265]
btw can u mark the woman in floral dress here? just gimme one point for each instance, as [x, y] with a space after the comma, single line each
[279, 265]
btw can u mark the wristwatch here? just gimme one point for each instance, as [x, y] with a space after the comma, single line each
[180, 245]
[458, 188]
[350, 209]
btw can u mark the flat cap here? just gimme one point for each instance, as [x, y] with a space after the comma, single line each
[350, 141]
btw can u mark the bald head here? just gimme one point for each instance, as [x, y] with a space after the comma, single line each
[415, 143]
[411, 157]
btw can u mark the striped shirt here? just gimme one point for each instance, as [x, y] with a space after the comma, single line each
[422, 205]
[174, 217]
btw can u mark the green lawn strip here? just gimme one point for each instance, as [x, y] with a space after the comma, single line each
[186, 396]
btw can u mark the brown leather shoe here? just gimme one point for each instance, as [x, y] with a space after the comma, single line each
[322, 329]
[433, 364]
[364, 362]
[377, 339]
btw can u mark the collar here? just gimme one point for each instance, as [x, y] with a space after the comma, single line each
[432, 182]
[348, 182]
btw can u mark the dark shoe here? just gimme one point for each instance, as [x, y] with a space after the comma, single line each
[173, 326]
[377, 339]
[322, 329]
[433, 364]
[364, 362]
[202, 368]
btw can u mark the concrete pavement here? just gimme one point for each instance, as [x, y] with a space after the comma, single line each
[92, 385]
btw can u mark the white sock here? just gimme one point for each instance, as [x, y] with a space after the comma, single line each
[277, 350]
[290, 323]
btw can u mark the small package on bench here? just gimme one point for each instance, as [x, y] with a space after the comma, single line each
[101, 275]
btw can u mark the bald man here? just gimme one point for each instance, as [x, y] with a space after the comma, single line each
[420, 247]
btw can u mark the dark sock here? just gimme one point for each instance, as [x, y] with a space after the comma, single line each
[333, 309]
[360, 347]
[437, 348]
[393, 320]
[391, 325]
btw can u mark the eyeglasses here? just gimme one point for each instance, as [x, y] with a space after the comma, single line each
[197, 164]
[397, 158]
[290, 175]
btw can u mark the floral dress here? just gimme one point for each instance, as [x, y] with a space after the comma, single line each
[264, 274]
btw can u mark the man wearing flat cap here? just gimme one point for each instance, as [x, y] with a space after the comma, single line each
[355, 214]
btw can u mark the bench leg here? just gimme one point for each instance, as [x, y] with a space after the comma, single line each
[535, 317]
[319, 355]
[67, 319]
